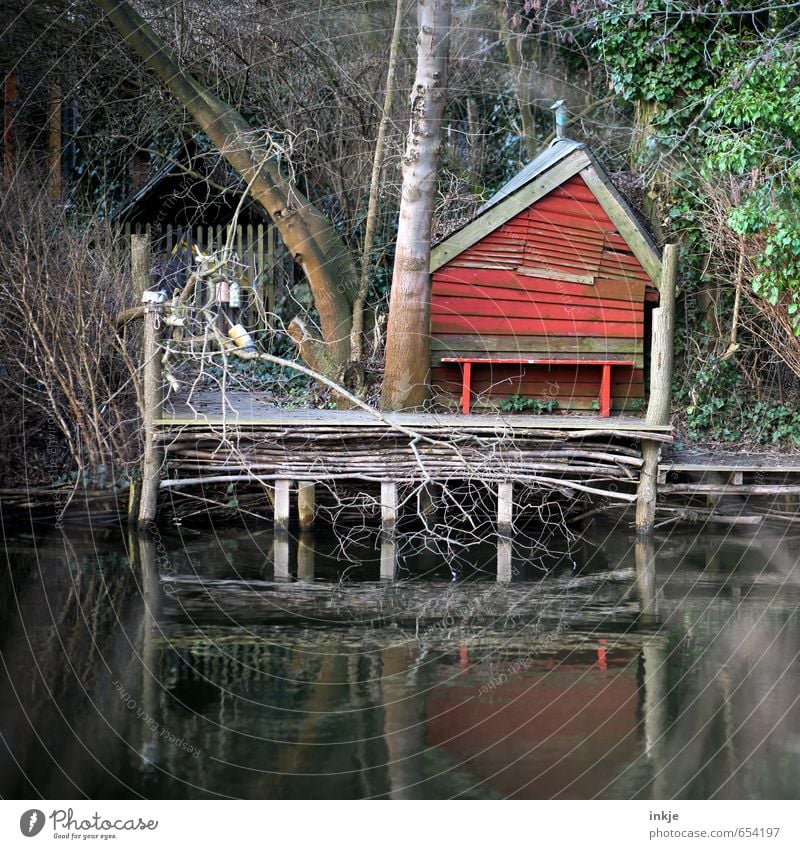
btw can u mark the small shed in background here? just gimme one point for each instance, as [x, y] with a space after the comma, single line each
[193, 200]
[556, 268]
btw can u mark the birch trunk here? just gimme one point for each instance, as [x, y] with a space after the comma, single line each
[406, 383]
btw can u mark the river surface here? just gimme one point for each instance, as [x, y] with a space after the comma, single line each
[226, 663]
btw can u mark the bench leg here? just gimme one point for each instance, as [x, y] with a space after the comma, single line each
[466, 388]
[605, 392]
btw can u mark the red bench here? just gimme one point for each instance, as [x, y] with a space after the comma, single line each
[605, 377]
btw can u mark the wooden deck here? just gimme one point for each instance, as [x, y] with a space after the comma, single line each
[249, 410]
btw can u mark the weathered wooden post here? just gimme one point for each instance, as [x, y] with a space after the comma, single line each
[388, 507]
[306, 504]
[140, 265]
[505, 508]
[152, 399]
[282, 506]
[660, 402]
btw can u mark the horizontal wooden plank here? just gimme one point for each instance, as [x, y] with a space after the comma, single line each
[514, 311]
[585, 211]
[619, 373]
[513, 279]
[587, 385]
[570, 258]
[567, 220]
[550, 230]
[542, 273]
[555, 328]
[517, 345]
[587, 298]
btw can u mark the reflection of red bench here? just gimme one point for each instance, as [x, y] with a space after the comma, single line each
[605, 378]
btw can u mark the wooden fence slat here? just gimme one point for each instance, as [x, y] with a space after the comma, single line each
[270, 270]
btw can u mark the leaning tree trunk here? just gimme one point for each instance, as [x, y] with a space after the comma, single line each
[307, 233]
[408, 340]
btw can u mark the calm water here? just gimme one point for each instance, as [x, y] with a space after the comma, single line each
[230, 664]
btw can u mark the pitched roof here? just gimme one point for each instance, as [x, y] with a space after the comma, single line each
[550, 156]
[555, 165]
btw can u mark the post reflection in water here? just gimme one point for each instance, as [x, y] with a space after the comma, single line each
[504, 552]
[646, 578]
[150, 648]
[652, 672]
[305, 556]
[280, 557]
[388, 557]
[404, 723]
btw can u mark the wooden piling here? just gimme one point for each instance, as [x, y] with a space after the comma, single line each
[505, 508]
[281, 506]
[660, 401]
[151, 410]
[306, 504]
[388, 507]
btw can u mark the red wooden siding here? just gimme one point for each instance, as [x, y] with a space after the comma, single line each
[489, 301]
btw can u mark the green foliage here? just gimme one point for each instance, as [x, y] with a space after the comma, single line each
[777, 218]
[521, 404]
[716, 407]
[643, 62]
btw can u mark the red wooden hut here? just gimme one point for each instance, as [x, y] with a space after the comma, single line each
[542, 294]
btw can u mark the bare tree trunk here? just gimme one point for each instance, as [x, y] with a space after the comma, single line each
[408, 338]
[307, 233]
[357, 330]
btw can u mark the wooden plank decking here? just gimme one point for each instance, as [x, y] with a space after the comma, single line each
[249, 409]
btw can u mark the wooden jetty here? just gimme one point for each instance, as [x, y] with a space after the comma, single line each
[238, 439]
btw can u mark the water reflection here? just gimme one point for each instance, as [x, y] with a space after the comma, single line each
[186, 667]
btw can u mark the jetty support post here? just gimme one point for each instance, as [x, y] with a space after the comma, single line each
[660, 402]
[505, 509]
[282, 506]
[306, 504]
[505, 527]
[388, 507]
[152, 400]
